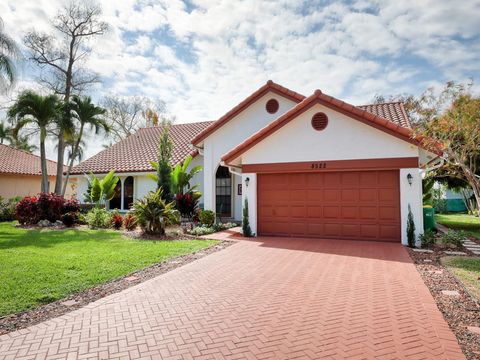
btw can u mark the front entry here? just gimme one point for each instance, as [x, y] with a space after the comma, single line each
[357, 205]
[223, 192]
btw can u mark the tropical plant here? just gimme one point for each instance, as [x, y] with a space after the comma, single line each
[116, 220]
[87, 114]
[154, 214]
[163, 168]
[181, 177]
[41, 112]
[8, 52]
[98, 218]
[187, 203]
[247, 231]
[130, 222]
[50, 206]
[206, 217]
[102, 190]
[26, 210]
[69, 218]
[7, 208]
[410, 228]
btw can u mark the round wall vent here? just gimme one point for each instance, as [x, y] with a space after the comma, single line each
[272, 106]
[319, 121]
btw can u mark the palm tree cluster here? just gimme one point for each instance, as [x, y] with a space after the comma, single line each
[46, 115]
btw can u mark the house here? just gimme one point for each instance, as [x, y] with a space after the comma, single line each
[20, 173]
[309, 166]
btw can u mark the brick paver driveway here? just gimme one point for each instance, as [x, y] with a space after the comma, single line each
[268, 298]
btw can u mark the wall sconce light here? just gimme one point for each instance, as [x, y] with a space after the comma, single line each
[247, 181]
[410, 179]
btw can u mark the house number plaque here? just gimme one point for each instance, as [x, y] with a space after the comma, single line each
[319, 165]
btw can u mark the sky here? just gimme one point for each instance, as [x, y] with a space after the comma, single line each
[203, 57]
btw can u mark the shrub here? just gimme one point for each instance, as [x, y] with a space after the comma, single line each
[410, 228]
[116, 220]
[7, 208]
[452, 238]
[154, 214]
[427, 239]
[71, 205]
[202, 230]
[247, 231]
[186, 204]
[26, 210]
[206, 217]
[98, 218]
[50, 206]
[69, 219]
[129, 222]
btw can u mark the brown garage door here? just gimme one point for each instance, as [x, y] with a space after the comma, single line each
[360, 205]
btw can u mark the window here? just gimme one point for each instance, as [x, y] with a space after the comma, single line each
[223, 192]
[116, 201]
[272, 106]
[319, 121]
[128, 192]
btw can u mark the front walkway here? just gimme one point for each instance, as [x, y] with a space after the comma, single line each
[264, 298]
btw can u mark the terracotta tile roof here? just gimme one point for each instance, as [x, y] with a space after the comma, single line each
[355, 112]
[13, 161]
[134, 153]
[393, 111]
[269, 86]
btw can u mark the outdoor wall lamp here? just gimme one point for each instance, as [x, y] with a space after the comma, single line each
[247, 181]
[410, 179]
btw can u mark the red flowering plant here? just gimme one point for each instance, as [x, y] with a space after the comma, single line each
[186, 204]
[130, 222]
[116, 220]
[26, 210]
[50, 206]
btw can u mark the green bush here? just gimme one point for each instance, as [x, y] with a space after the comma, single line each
[410, 228]
[427, 239]
[154, 214]
[453, 238]
[246, 229]
[7, 208]
[98, 218]
[206, 217]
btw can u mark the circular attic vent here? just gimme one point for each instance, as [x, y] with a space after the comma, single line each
[272, 106]
[319, 121]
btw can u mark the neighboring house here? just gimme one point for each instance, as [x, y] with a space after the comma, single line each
[309, 166]
[454, 201]
[20, 173]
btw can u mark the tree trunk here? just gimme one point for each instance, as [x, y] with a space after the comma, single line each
[43, 162]
[72, 160]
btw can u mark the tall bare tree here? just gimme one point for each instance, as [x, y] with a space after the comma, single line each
[62, 54]
[125, 115]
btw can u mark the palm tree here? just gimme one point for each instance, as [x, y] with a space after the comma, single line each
[21, 143]
[87, 114]
[5, 133]
[8, 51]
[40, 112]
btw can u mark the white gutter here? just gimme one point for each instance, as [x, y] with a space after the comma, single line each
[199, 149]
[231, 168]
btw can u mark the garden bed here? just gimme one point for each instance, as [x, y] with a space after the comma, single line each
[459, 307]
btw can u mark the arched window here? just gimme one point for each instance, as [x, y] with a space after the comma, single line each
[128, 193]
[223, 192]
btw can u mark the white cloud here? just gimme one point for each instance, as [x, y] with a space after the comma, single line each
[205, 58]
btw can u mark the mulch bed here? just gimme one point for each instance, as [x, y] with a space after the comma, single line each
[22, 320]
[459, 311]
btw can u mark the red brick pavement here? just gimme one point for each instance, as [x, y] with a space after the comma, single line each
[268, 298]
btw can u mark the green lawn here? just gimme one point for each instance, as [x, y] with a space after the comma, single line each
[469, 223]
[467, 270]
[38, 267]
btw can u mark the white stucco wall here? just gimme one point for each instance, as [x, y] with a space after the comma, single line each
[250, 193]
[230, 135]
[411, 195]
[343, 139]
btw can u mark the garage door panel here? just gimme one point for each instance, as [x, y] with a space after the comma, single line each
[363, 205]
